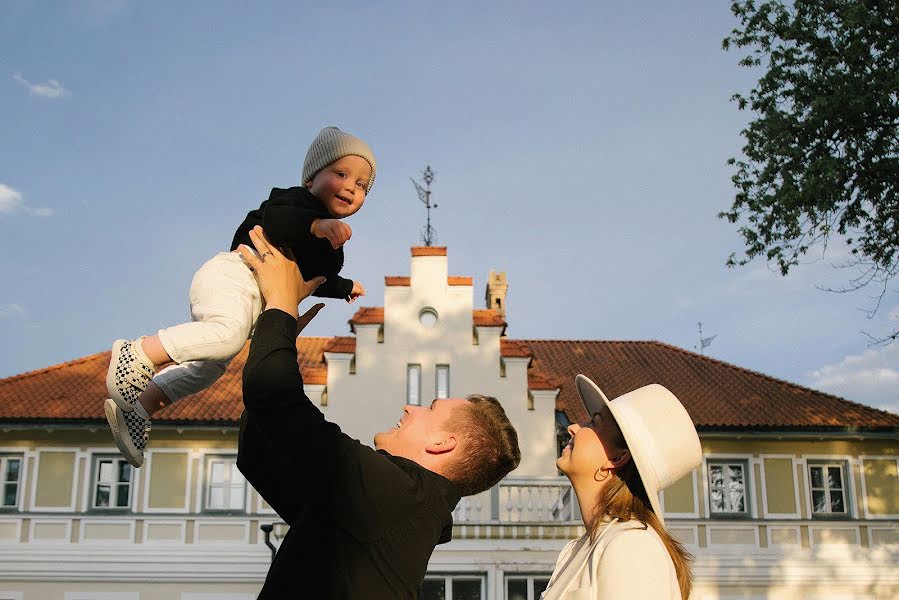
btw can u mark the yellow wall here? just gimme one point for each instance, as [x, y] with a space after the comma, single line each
[54, 479]
[882, 486]
[780, 491]
[168, 480]
[679, 495]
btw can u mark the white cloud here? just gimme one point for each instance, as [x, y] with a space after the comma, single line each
[871, 378]
[49, 89]
[11, 201]
[11, 311]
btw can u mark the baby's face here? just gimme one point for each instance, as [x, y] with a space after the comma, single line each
[341, 185]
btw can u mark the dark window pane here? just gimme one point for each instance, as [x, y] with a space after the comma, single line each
[466, 589]
[836, 502]
[834, 478]
[817, 474]
[540, 586]
[124, 471]
[433, 589]
[12, 472]
[517, 589]
[102, 498]
[9, 494]
[819, 502]
[122, 495]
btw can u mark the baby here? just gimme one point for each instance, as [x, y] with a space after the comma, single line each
[225, 301]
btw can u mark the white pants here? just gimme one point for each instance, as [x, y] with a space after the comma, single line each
[224, 304]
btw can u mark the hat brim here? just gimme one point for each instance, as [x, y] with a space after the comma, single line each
[594, 400]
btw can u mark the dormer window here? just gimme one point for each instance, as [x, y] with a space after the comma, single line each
[428, 317]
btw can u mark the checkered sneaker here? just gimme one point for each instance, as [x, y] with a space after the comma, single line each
[129, 373]
[130, 430]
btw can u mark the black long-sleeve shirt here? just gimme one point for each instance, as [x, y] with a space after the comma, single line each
[363, 523]
[286, 218]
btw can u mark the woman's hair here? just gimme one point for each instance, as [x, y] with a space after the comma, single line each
[625, 497]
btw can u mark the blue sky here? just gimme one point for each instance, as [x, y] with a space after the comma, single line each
[579, 147]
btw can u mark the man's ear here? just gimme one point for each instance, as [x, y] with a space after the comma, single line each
[622, 458]
[442, 445]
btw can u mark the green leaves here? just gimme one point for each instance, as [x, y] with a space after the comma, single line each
[822, 154]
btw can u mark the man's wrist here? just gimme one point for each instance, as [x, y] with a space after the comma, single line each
[284, 307]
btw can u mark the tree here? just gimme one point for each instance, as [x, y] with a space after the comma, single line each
[821, 157]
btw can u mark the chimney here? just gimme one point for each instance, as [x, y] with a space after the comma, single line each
[497, 284]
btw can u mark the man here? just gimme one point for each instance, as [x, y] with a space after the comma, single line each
[363, 523]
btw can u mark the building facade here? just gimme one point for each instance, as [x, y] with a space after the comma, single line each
[797, 495]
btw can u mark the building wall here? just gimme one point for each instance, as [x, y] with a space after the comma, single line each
[367, 392]
[170, 538]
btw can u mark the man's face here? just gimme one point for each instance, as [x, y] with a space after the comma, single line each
[419, 428]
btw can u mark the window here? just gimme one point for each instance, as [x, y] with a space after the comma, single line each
[113, 478]
[442, 381]
[225, 489]
[828, 489]
[453, 587]
[526, 588]
[728, 487]
[428, 317]
[413, 384]
[10, 479]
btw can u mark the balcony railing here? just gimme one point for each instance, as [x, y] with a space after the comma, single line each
[535, 500]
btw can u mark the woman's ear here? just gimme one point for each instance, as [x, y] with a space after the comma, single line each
[442, 446]
[621, 459]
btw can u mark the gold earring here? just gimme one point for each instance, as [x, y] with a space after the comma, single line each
[605, 474]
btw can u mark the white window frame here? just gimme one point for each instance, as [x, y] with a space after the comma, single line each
[845, 474]
[530, 583]
[747, 465]
[229, 460]
[448, 579]
[441, 368]
[4, 470]
[413, 384]
[96, 459]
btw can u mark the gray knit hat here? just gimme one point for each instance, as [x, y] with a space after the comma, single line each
[333, 144]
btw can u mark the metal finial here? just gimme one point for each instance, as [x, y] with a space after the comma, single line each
[429, 234]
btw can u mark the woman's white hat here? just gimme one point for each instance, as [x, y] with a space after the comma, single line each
[659, 433]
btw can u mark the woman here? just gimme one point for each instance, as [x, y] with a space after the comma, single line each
[618, 461]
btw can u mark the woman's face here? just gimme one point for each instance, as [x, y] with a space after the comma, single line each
[592, 446]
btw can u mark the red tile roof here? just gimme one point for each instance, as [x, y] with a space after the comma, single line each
[398, 280]
[482, 317]
[488, 317]
[428, 250]
[368, 315]
[74, 391]
[718, 396]
[341, 345]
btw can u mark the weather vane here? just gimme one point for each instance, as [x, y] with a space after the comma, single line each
[428, 235]
[704, 342]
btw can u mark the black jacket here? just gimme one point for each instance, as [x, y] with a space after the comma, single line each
[363, 523]
[286, 218]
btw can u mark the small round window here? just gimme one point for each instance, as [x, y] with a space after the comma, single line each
[428, 317]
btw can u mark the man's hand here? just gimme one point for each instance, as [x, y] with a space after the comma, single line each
[358, 290]
[280, 281]
[336, 231]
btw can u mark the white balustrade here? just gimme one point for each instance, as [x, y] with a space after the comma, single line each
[530, 500]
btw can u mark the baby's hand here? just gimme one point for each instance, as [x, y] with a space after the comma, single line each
[336, 231]
[358, 290]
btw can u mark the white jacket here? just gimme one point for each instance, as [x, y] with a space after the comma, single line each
[627, 561]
